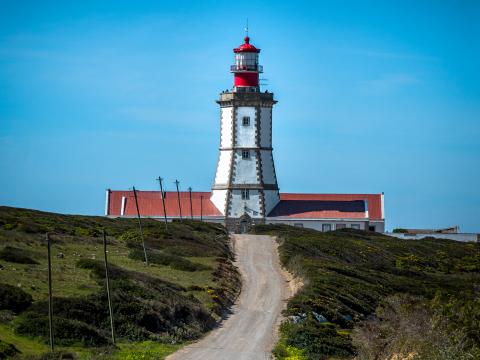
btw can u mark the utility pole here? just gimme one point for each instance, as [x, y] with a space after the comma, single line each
[140, 226]
[163, 202]
[108, 285]
[178, 196]
[201, 207]
[50, 305]
[191, 206]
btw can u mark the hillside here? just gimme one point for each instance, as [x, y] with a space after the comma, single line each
[371, 296]
[185, 290]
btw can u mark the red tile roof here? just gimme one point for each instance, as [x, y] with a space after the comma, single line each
[320, 209]
[150, 203]
[374, 205]
[313, 206]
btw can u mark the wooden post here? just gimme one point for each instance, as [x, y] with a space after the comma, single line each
[201, 208]
[178, 196]
[107, 280]
[163, 202]
[191, 206]
[140, 225]
[50, 304]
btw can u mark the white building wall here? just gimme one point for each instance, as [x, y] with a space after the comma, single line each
[265, 127]
[316, 224]
[463, 237]
[245, 169]
[379, 225]
[237, 207]
[226, 116]
[223, 167]
[272, 198]
[268, 171]
[219, 199]
[245, 134]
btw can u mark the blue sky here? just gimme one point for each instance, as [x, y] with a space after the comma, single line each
[373, 96]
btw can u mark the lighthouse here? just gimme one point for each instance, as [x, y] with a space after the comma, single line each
[245, 188]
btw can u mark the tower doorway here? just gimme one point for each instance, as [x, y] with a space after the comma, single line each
[245, 224]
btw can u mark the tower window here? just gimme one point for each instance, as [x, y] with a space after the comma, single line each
[245, 154]
[245, 194]
[246, 121]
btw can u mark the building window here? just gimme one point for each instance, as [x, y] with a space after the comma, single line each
[245, 194]
[246, 121]
[371, 228]
[300, 225]
[356, 226]
[340, 226]
[326, 227]
[245, 154]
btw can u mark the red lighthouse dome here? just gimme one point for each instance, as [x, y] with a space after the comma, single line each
[246, 47]
[246, 69]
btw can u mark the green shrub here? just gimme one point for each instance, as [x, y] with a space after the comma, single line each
[7, 350]
[317, 340]
[9, 226]
[348, 273]
[66, 331]
[449, 328]
[56, 355]
[160, 258]
[131, 237]
[13, 298]
[16, 255]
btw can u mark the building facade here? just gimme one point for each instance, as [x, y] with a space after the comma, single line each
[245, 191]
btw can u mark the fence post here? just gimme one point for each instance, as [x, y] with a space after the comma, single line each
[163, 202]
[191, 206]
[107, 278]
[140, 225]
[50, 305]
[178, 197]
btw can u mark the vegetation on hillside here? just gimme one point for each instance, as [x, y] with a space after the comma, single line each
[371, 296]
[186, 289]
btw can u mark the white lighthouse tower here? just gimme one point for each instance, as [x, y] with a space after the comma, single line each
[245, 188]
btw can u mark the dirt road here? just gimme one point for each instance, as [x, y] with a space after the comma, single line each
[250, 332]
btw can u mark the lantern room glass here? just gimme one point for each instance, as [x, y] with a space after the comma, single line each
[246, 61]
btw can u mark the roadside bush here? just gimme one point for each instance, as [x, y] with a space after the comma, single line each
[16, 255]
[317, 341]
[449, 329]
[13, 298]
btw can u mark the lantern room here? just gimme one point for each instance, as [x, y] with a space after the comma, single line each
[246, 68]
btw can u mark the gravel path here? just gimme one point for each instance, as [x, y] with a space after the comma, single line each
[250, 332]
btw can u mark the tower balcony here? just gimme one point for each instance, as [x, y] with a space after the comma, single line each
[240, 68]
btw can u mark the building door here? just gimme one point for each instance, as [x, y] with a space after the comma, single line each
[244, 227]
[245, 224]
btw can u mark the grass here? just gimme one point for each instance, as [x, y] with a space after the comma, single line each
[25, 345]
[145, 350]
[348, 273]
[188, 291]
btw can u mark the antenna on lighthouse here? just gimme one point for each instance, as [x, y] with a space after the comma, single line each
[246, 28]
